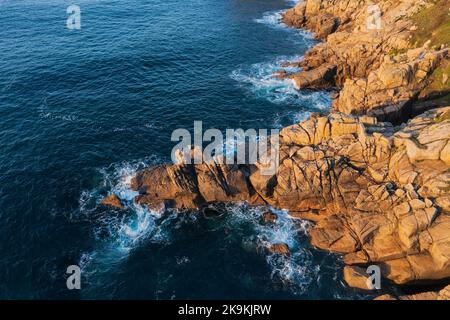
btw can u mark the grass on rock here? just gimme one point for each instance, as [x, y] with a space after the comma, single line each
[433, 23]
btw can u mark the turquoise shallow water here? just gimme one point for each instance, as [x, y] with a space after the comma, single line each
[82, 110]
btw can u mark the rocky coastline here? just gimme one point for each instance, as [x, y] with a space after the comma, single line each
[373, 174]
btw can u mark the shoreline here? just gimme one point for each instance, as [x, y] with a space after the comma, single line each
[362, 181]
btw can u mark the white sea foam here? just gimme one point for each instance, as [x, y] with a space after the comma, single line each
[260, 81]
[182, 260]
[272, 18]
[297, 271]
[126, 230]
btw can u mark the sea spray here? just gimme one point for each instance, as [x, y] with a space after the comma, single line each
[296, 271]
[258, 79]
[134, 223]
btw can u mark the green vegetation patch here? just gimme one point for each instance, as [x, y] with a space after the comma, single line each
[444, 116]
[436, 81]
[395, 52]
[437, 90]
[433, 23]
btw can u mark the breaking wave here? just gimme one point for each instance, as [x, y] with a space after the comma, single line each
[297, 271]
[120, 231]
[135, 223]
[273, 19]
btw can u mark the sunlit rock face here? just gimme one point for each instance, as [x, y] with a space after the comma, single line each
[380, 192]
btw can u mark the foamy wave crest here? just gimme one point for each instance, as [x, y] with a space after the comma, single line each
[135, 222]
[259, 80]
[273, 19]
[293, 1]
[297, 271]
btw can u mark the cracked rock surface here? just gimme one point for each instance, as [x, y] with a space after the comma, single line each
[378, 193]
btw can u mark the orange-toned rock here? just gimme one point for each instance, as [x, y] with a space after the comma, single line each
[378, 71]
[356, 277]
[280, 248]
[112, 201]
[376, 204]
[385, 297]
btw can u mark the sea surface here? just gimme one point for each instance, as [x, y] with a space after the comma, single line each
[82, 110]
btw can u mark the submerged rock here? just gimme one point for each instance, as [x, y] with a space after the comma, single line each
[213, 211]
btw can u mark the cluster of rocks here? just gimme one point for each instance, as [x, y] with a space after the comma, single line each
[388, 91]
[364, 60]
[377, 193]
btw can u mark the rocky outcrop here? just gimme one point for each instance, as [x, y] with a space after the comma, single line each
[388, 90]
[319, 78]
[381, 193]
[367, 53]
[280, 248]
[192, 186]
[377, 193]
[356, 277]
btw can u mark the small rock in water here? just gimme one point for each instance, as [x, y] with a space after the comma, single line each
[211, 212]
[112, 201]
[269, 217]
[249, 245]
[281, 248]
[159, 207]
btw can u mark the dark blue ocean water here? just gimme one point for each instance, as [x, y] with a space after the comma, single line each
[82, 110]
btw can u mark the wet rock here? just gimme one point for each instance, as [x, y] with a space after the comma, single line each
[112, 201]
[280, 74]
[212, 211]
[377, 202]
[356, 277]
[280, 248]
